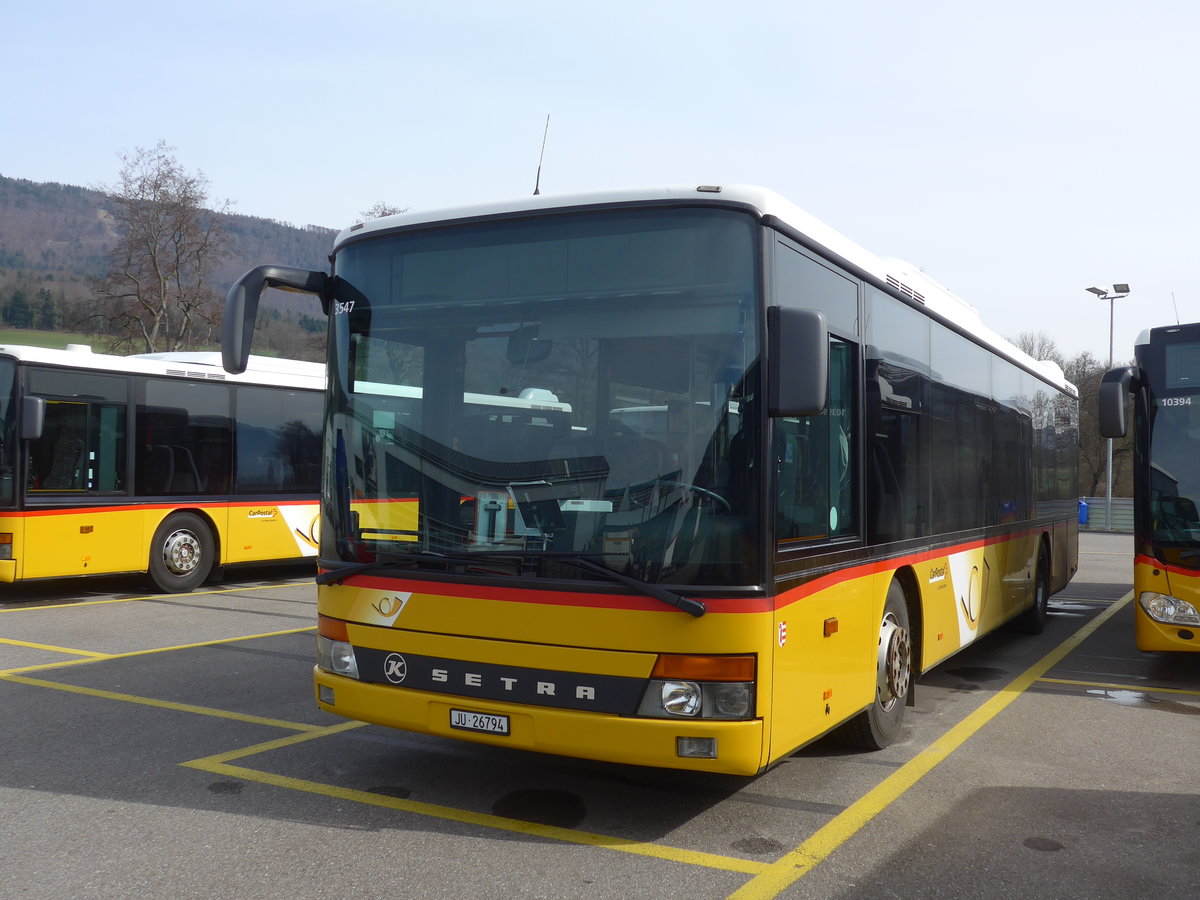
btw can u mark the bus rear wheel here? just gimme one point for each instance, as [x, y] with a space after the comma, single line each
[181, 554]
[879, 724]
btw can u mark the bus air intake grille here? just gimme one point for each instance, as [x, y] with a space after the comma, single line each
[905, 289]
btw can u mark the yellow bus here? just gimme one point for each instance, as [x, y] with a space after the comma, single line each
[1165, 383]
[158, 463]
[779, 479]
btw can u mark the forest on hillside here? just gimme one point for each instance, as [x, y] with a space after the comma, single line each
[56, 241]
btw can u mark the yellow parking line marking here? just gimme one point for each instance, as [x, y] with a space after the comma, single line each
[161, 704]
[1139, 688]
[213, 643]
[53, 649]
[238, 590]
[317, 731]
[794, 865]
[131, 653]
[219, 765]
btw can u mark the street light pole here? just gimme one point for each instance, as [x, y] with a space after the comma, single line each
[1116, 293]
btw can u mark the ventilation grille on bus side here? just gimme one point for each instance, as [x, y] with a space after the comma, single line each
[212, 376]
[905, 289]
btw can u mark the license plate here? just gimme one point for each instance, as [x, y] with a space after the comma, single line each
[482, 722]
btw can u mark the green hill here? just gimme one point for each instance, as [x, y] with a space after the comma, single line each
[55, 238]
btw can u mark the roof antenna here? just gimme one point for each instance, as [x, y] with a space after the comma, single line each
[538, 183]
[1173, 303]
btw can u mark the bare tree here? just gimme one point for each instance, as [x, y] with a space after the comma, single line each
[381, 208]
[1040, 346]
[157, 293]
[1085, 371]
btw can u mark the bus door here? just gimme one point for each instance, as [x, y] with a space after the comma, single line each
[79, 457]
[820, 676]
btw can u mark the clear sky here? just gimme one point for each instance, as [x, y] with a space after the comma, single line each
[1018, 152]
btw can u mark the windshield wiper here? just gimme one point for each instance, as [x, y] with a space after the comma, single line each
[687, 604]
[337, 571]
[658, 592]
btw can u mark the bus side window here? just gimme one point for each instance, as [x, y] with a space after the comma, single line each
[57, 460]
[82, 448]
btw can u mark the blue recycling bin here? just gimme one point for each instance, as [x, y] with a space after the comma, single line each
[1083, 512]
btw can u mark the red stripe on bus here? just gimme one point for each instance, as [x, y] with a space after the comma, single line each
[550, 597]
[1143, 560]
[129, 507]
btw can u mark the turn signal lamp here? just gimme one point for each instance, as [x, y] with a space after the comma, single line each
[6, 545]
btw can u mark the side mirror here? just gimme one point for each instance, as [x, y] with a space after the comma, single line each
[1114, 389]
[241, 307]
[33, 417]
[524, 346]
[798, 367]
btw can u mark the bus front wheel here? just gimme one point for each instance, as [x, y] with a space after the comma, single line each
[879, 724]
[181, 554]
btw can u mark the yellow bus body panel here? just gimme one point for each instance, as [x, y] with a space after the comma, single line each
[111, 540]
[821, 679]
[498, 627]
[542, 618]
[94, 541]
[262, 531]
[816, 648]
[1149, 575]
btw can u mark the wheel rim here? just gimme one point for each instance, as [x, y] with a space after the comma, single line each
[181, 552]
[895, 655]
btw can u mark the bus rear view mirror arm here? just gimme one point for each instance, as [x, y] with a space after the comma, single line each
[241, 307]
[1114, 391]
[798, 365]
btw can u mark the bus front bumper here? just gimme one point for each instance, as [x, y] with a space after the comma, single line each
[740, 745]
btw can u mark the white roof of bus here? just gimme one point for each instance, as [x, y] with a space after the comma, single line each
[903, 276]
[193, 364]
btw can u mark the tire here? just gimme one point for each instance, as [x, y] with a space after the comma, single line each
[879, 724]
[181, 554]
[1033, 620]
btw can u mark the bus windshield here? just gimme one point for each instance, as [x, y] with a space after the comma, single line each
[8, 431]
[1174, 478]
[549, 397]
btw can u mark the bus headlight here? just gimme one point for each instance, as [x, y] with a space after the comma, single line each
[700, 687]
[694, 700]
[731, 701]
[337, 657]
[680, 698]
[1168, 610]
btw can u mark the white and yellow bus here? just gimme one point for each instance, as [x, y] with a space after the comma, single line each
[1165, 384]
[159, 463]
[779, 480]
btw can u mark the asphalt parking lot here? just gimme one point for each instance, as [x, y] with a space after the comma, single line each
[169, 746]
